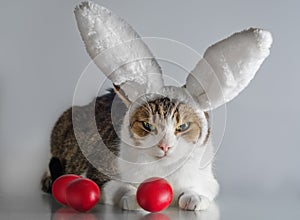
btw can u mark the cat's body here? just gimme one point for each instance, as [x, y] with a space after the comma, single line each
[180, 165]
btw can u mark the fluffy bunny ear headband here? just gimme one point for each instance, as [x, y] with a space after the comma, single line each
[225, 70]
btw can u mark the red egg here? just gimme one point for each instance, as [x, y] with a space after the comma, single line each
[59, 187]
[154, 194]
[82, 194]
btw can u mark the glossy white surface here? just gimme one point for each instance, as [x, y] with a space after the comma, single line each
[44, 207]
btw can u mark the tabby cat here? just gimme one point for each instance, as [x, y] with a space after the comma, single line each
[164, 130]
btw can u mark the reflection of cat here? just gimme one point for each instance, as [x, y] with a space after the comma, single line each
[163, 130]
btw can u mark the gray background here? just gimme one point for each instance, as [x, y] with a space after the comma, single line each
[42, 57]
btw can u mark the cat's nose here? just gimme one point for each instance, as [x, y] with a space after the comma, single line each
[164, 147]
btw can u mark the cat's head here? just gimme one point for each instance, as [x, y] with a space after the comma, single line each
[168, 124]
[167, 119]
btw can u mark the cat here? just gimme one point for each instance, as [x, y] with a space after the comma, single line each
[169, 125]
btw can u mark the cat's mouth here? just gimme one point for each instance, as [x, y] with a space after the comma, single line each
[165, 153]
[162, 156]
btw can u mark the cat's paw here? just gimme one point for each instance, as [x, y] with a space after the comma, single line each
[193, 202]
[129, 202]
[46, 183]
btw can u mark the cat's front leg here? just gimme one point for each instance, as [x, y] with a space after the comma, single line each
[192, 201]
[128, 202]
[199, 195]
[120, 194]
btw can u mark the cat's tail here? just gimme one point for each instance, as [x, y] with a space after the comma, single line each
[55, 170]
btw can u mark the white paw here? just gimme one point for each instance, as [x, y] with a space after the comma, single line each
[128, 202]
[192, 202]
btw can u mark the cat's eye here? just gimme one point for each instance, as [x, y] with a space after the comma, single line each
[148, 126]
[183, 127]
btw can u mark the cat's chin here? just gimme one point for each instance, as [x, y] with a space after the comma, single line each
[166, 159]
[161, 157]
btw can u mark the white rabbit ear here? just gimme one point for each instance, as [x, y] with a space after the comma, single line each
[227, 67]
[118, 50]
